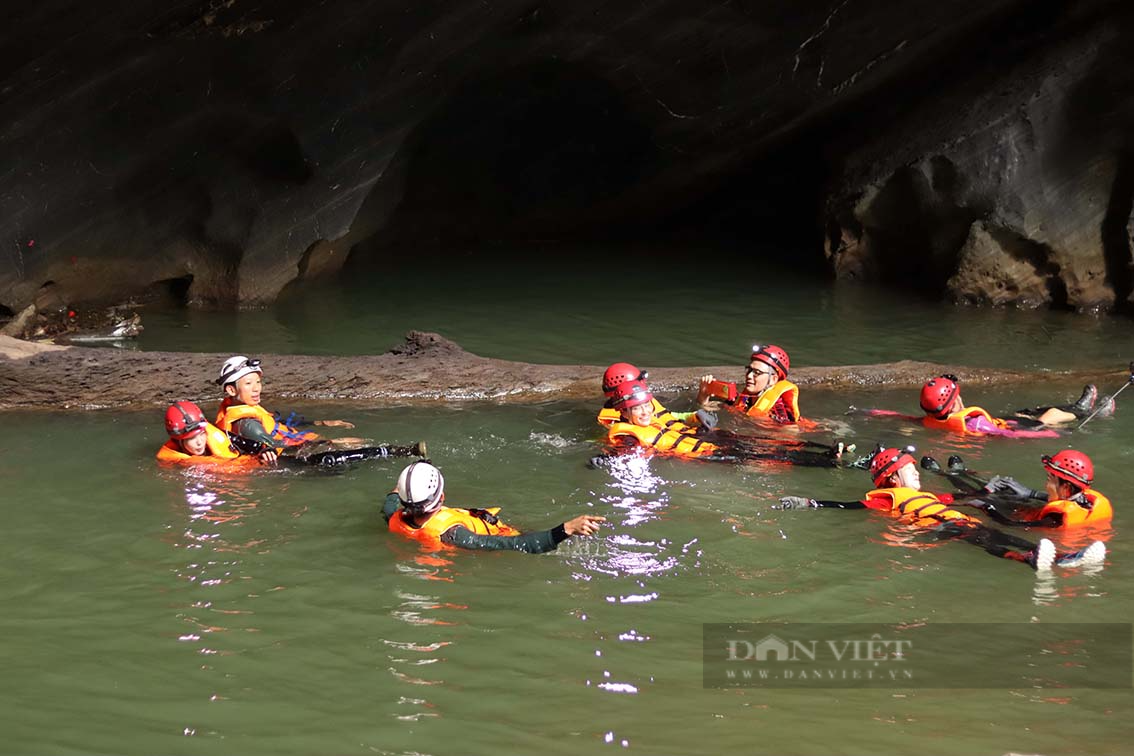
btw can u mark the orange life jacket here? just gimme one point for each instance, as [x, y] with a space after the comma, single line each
[1075, 514]
[674, 437]
[917, 507]
[482, 521]
[219, 449]
[956, 421]
[760, 406]
[608, 415]
[286, 435]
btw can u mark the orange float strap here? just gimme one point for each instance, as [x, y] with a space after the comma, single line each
[918, 507]
[674, 437]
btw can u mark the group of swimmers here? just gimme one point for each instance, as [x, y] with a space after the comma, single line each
[245, 433]
[636, 422]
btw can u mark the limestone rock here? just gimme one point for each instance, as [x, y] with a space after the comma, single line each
[999, 268]
[220, 151]
[1013, 189]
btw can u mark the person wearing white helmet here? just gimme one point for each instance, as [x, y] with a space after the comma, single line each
[240, 412]
[415, 510]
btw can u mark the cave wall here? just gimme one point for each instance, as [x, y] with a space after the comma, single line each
[1012, 185]
[224, 149]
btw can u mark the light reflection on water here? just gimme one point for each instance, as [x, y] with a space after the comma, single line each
[222, 609]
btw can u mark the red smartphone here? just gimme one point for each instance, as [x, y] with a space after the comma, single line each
[723, 390]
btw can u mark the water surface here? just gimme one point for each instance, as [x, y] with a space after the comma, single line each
[160, 611]
[657, 311]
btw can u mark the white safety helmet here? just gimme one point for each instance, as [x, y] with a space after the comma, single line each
[421, 487]
[235, 368]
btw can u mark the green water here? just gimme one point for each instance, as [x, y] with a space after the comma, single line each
[154, 611]
[665, 312]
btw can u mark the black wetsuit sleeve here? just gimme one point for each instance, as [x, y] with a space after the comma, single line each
[254, 430]
[1050, 520]
[538, 542]
[841, 504]
[391, 505]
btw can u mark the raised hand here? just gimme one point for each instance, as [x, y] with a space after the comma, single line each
[583, 525]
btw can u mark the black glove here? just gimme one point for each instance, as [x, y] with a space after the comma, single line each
[707, 420]
[797, 502]
[1005, 484]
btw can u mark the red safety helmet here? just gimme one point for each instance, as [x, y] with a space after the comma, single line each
[619, 373]
[631, 394]
[887, 462]
[184, 420]
[937, 395]
[773, 357]
[1072, 466]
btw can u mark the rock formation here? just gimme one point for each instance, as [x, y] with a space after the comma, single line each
[218, 152]
[1014, 186]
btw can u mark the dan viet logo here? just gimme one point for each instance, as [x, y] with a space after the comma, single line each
[1024, 655]
[772, 660]
[875, 649]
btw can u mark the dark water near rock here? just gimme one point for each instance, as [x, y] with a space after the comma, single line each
[155, 611]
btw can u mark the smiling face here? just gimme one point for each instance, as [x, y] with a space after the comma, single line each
[758, 378]
[246, 390]
[642, 415]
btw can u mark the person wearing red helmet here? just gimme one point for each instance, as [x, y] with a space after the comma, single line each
[193, 439]
[1070, 501]
[944, 410]
[623, 372]
[898, 493]
[767, 391]
[639, 427]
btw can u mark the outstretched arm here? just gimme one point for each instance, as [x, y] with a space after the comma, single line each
[800, 502]
[841, 504]
[1050, 520]
[538, 542]
[333, 423]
